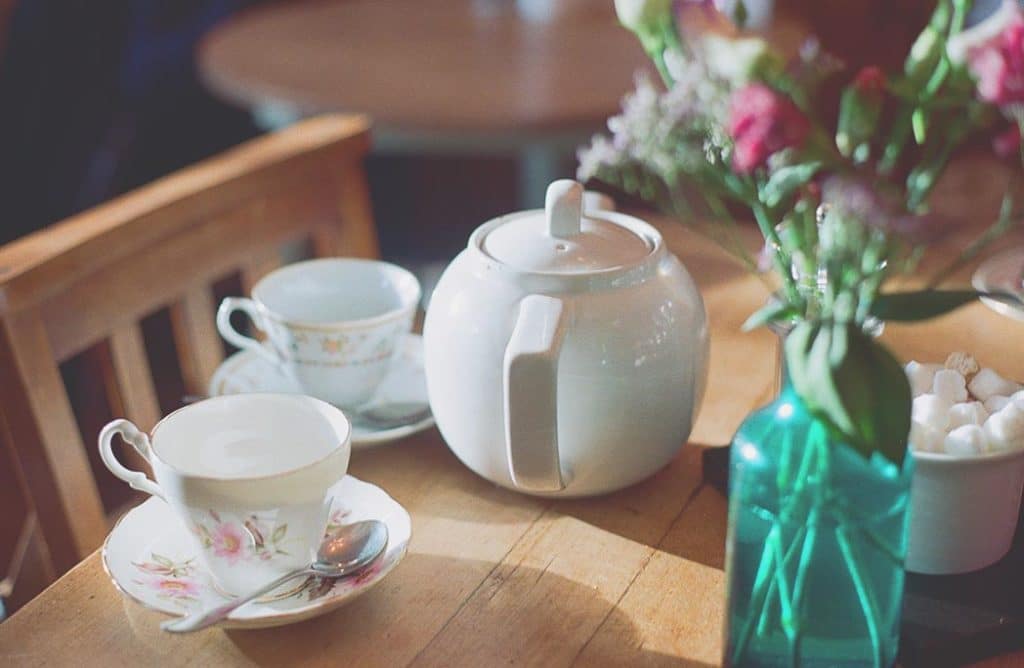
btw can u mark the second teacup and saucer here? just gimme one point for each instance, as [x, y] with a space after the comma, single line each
[337, 329]
[404, 385]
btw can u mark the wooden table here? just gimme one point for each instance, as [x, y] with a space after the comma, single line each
[530, 77]
[493, 577]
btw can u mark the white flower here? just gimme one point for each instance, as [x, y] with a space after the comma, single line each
[732, 59]
[983, 32]
[600, 153]
[642, 16]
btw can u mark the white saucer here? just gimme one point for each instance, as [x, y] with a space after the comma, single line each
[246, 371]
[1002, 273]
[151, 560]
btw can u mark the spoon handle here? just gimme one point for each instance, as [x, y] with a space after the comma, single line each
[204, 618]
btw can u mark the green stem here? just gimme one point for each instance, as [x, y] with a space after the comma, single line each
[757, 598]
[803, 566]
[848, 517]
[654, 45]
[942, 69]
[783, 480]
[788, 622]
[864, 594]
[765, 616]
[781, 256]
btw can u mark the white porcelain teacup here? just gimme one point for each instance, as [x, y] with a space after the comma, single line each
[249, 476]
[334, 325]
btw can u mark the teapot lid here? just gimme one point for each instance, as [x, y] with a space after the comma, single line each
[560, 240]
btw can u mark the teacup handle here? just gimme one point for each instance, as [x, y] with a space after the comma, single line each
[138, 440]
[232, 336]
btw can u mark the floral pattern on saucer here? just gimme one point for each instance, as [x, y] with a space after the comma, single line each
[150, 558]
[171, 581]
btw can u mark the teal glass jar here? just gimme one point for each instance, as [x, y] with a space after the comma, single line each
[816, 544]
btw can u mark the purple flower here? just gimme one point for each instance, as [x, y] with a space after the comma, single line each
[762, 122]
[856, 200]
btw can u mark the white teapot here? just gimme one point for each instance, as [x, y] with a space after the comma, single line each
[565, 355]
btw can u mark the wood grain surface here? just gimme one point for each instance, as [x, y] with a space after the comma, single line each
[496, 578]
[483, 66]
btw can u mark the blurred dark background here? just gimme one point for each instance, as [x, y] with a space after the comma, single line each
[99, 97]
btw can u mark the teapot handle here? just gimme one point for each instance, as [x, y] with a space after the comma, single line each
[531, 395]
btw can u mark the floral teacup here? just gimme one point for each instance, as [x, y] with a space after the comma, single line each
[248, 475]
[334, 325]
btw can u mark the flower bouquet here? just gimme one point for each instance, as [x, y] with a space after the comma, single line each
[820, 478]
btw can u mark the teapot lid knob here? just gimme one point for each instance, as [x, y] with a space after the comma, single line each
[563, 208]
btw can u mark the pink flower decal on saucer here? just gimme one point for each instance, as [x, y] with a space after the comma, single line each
[169, 580]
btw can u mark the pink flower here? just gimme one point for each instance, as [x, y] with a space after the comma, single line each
[761, 123]
[175, 587]
[1007, 143]
[998, 64]
[228, 542]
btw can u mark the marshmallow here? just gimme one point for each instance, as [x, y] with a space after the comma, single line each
[950, 385]
[1005, 428]
[996, 403]
[963, 363]
[970, 439]
[925, 438]
[987, 383]
[971, 412]
[921, 377]
[931, 410]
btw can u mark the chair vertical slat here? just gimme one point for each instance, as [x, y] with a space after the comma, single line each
[259, 267]
[355, 234]
[196, 339]
[47, 443]
[130, 380]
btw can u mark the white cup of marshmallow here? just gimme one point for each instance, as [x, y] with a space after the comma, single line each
[967, 439]
[963, 409]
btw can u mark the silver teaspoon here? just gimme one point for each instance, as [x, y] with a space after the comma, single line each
[388, 416]
[344, 552]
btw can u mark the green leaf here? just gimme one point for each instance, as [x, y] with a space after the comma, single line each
[852, 383]
[279, 533]
[924, 304]
[785, 180]
[773, 311]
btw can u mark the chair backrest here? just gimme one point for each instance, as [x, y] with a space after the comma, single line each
[93, 278]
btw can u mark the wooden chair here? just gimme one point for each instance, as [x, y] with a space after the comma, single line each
[89, 281]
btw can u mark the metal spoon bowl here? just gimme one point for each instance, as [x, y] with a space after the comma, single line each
[347, 550]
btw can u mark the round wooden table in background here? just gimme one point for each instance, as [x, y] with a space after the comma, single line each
[533, 77]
